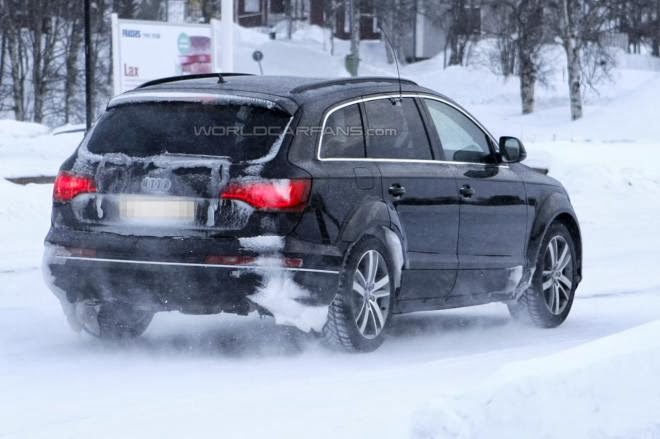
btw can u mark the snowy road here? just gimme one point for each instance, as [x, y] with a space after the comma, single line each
[236, 377]
[246, 377]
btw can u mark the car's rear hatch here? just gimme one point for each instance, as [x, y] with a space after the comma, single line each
[183, 166]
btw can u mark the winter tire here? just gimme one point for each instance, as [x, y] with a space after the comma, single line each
[118, 321]
[360, 312]
[547, 302]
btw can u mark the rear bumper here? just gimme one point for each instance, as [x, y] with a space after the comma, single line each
[163, 281]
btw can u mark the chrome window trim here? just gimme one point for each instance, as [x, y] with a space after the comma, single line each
[385, 160]
[192, 264]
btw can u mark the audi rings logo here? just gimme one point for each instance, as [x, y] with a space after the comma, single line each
[155, 184]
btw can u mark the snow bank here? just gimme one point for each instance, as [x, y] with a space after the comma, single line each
[604, 389]
[24, 221]
[13, 129]
[311, 33]
[29, 149]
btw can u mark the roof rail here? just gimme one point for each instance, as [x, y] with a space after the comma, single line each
[187, 77]
[343, 81]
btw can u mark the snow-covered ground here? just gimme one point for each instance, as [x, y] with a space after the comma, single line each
[459, 373]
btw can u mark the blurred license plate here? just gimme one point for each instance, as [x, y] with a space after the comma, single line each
[157, 209]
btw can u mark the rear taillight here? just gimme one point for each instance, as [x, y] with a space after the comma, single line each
[270, 194]
[68, 185]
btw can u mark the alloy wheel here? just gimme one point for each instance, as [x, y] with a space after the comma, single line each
[557, 275]
[371, 294]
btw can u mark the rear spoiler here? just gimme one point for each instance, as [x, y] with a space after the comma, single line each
[241, 98]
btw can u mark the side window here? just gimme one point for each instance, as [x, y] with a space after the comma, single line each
[396, 130]
[462, 140]
[343, 136]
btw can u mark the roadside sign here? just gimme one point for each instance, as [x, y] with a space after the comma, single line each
[147, 50]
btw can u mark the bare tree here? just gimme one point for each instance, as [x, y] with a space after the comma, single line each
[42, 34]
[209, 8]
[126, 8]
[330, 13]
[72, 41]
[529, 14]
[353, 58]
[3, 50]
[396, 18]
[288, 10]
[505, 36]
[520, 33]
[462, 19]
[13, 18]
[578, 24]
[656, 30]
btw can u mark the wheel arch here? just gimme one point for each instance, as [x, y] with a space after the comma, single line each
[556, 208]
[570, 222]
[392, 241]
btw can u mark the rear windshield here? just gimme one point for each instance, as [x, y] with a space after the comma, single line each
[239, 132]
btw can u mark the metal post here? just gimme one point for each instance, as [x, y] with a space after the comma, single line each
[89, 68]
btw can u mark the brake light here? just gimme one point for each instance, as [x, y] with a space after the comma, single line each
[270, 194]
[68, 185]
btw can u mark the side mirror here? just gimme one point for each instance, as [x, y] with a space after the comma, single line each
[512, 150]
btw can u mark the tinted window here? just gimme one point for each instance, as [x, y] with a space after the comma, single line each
[462, 140]
[343, 135]
[396, 130]
[240, 132]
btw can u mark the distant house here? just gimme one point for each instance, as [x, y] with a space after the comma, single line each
[251, 13]
[258, 13]
[424, 38]
[427, 37]
[368, 21]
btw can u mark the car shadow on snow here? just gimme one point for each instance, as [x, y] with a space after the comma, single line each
[445, 323]
[238, 337]
[227, 336]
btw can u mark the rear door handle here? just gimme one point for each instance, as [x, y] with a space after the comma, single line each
[396, 190]
[466, 191]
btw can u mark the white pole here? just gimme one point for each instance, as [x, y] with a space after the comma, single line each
[227, 36]
[116, 57]
[216, 44]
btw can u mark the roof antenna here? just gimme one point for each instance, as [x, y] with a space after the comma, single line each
[221, 80]
[396, 58]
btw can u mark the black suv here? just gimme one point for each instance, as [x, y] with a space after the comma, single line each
[330, 204]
